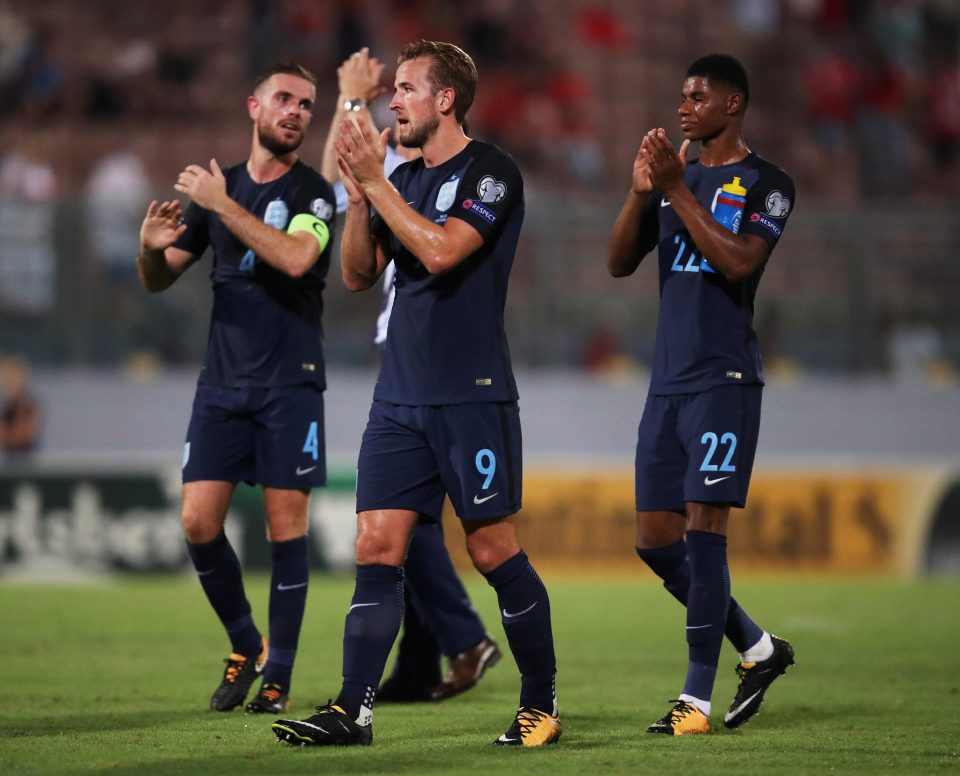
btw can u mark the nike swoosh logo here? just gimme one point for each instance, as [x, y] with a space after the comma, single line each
[307, 724]
[282, 586]
[204, 573]
[301, 472]
[506, 740]
[709, 481]
[508, 616]
[731, 714]
[357, 606]
[478, 500]
[664, 202]
[698, 627]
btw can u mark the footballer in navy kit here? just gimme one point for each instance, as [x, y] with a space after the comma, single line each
[438, 617]
[698, 434]
[258, 411]
[445, 419]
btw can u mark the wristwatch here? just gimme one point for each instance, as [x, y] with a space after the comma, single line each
[354, 104]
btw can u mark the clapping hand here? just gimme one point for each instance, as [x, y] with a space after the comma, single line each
[208, 188]
[665, 164]
[162, 225]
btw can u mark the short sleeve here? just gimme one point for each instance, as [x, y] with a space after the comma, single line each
[316, 197]
[769, 204]
[491, 190]
[196, 238]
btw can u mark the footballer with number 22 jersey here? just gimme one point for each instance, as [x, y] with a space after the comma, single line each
[705, 335]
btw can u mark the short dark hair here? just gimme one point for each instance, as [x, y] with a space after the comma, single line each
[286, 68]
[725, 69]
[451, 68]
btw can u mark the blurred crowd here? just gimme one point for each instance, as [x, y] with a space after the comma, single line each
[102, 102]
[871, 86]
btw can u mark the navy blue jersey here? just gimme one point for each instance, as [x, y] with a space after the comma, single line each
[705, 335]
[265, 327]
[447, 343]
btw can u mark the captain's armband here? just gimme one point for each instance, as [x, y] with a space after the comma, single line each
[307, 222]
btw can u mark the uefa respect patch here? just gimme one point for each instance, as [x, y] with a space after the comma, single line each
[768, 223]
[484, 213]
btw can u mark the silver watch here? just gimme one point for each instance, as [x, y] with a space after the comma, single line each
[354, 104]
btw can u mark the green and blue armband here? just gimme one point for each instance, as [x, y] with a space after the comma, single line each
[307, 222]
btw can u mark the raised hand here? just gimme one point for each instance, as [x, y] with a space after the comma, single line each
[641, 182]
[355, 195]
[359, 76]
[361, 151]
[161, 227]
[208, 188]
[665, 163]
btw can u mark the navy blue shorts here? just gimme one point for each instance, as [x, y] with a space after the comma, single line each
[410, 457]
[270, 436]
[697, 447]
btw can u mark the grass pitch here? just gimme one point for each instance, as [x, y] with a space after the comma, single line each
[114, 678]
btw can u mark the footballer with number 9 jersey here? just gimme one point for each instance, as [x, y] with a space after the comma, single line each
[715, 220]
[445, 419]
[258, 410]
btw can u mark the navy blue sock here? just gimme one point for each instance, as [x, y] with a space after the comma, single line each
[418, 653]
[288, 599]
[525, 612]
[670, 563]
[218, 568]
[371, 627]
[707, 605]
[439, 592]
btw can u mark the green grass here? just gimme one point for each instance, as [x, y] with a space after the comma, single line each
[114, 678]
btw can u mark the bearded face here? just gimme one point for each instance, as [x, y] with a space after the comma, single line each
[279, 140]
[412, 135]
[415, 103]
[282, 109]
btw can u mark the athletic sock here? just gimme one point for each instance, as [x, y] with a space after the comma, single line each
[439, 593]
[525, 612]
[707, 606]
[371, 627]
[760, 651]
[288, 599]
[671, 564]
[703, 705]
[418, 652]
[218, 569]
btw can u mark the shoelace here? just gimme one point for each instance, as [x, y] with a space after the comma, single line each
[271, 692]
[328, 708]
[682, 710]
[527, 720]
[743, 669]
[233, 668]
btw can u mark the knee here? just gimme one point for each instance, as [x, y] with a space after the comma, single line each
[199, 528]
[654, 533]
[378, 548]
[285, 529]
[486, 556]
[708, 518]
